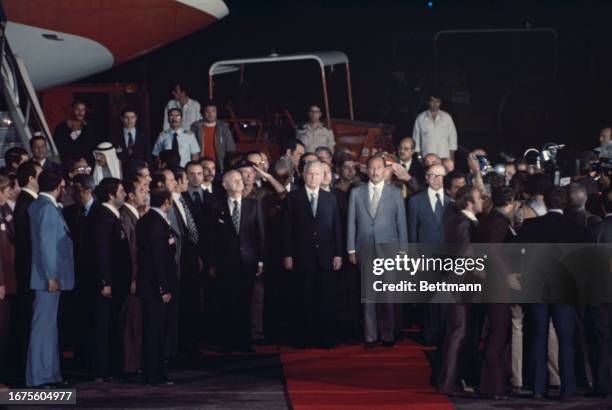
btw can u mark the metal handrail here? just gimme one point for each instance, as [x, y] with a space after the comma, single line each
[27, 118]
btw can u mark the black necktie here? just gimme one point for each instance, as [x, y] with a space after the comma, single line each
[130, 144]
[438, 208]
[175, 147]
[197, 199]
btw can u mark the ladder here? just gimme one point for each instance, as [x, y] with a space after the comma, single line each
[21, 101]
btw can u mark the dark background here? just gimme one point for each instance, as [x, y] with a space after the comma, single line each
[506, 91]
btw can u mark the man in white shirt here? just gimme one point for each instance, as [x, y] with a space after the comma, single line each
[190, 108]
[434, 131]
[177, 138]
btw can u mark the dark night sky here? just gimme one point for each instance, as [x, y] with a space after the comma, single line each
[390, 45]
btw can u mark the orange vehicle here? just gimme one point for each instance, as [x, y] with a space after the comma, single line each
[359, 137]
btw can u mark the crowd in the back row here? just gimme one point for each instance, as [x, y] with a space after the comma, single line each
[146, 251]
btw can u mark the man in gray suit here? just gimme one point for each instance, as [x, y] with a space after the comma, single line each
[376, 215]
[425, 225]
[52, 272]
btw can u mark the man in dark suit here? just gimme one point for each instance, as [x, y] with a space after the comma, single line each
[425, 214]
[77, 310]
[554, 227]
[495, 228]
[52, 273]
[204, 198]
[602, 314]
[75, 137]
[236, 259]
[8, 283]
[131, 319]
[156, 283]
[21, 314]
[114, 268]
[38, 145]
[454, 353]
[312, 239]
[410, 161]
[132, 143]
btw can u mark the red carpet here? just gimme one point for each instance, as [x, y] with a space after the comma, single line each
[351, 377]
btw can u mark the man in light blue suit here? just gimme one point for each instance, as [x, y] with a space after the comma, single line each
[52, 273]
[376, 215]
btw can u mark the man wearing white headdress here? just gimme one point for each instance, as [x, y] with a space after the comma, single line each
[107, 162]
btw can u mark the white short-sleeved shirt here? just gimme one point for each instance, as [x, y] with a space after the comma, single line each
[187, 144]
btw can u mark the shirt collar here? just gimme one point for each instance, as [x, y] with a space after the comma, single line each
[470, 215]
[88, 205]
[162, 213]
[378, 186]
[556, 211]
[209, 188]
[230, 201]
[133, 210]
[53, 200]
[29, 191]
[310, 191]
[112, 209]
[133, 131]
[432, 192]
[11, 204]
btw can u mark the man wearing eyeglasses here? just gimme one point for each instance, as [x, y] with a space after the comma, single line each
[425, 225]
[314, 134]
[434, 130]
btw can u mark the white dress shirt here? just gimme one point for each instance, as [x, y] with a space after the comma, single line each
[431, 193]
[53, 200]
[379, 187]
[133, 210]
[112, 209]
[191, 112]
[470, 215]
[176, 197]
[437, 136]
[315, 192]
[208, 188]
[407, 164]
[187, 144]
[162, 213]
[29, 191]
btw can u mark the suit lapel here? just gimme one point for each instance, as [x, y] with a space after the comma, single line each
[365, 197]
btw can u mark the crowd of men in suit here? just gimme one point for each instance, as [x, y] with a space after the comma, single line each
[193, 243]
